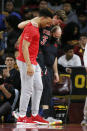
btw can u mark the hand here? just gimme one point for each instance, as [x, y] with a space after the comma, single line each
[86, 69]
[68, 70]
[56, 77]
[1, 86]
[30, 70]
[6, 73]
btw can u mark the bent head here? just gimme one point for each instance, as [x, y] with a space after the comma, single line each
[45, 21]
[56, 32]
[45, 17]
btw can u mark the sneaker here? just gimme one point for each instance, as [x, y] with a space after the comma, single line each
[38, 119]
[51, 119]
[84, 122]
[25, 120]
[15, 114]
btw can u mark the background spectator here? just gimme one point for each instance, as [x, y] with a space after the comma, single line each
[10, 9]
[71, 15]
[82, 21]
[7, 95]
[13, 33]
[10, 73]
[71, 34]
[79, 49]
[68, 60]
[54, 5]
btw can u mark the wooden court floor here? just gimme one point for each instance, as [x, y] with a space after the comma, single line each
[68, 127]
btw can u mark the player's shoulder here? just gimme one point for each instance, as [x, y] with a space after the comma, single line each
[28, 27]
[29, 24]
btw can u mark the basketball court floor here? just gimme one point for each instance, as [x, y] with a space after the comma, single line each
[26, 127]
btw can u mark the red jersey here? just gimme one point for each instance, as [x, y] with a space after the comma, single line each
[30, 34]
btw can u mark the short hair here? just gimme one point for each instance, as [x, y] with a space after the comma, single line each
[83, 34]
[66, 2]
[60, 14]
[9, 2]
[45, 13]
[68, 47]
[10, 55]
[13, 21]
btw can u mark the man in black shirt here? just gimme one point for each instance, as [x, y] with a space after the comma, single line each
[7, 95]
[11, 75]
[47, 58]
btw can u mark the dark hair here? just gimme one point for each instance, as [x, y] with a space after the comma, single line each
[68, 47]
[67, 2]
[46, 13]
[82, 13]
[68, 32]
[83, 34]
[10, 55]
[9, 2]
[26, 10]
[13, 21]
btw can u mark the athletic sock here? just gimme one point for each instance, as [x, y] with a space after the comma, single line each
[45, 113]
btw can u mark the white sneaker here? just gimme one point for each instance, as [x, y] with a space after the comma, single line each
[15, 114]
[84, 122]
[51, 119]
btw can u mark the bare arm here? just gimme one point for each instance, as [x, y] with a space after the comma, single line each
[25, 47]
[23, 24]
[17, 42]
[55, 69]
[5, 91]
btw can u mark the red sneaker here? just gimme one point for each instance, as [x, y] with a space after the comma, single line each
[38, 119]
[25, 120]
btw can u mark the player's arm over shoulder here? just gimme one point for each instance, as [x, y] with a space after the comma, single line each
[24, 23]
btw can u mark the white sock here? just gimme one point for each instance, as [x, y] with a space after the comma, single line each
[34, 114]
[21, 115]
